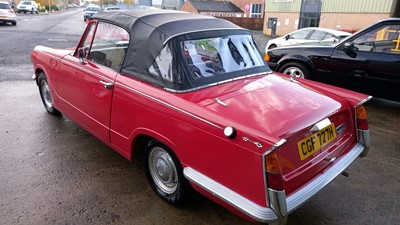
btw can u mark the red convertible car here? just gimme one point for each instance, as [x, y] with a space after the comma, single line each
[193, 96]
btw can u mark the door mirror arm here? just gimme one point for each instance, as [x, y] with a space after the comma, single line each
[81, 55]
[349, 47]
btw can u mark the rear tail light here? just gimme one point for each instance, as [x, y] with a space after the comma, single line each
[11, 11]
[273, 172]
[361, 116]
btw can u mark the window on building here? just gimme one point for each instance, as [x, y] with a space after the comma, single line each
[256, 11]
[211, 14]
[220, 14]
[228, 15]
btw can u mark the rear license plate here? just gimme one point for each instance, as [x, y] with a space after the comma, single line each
[315, 142]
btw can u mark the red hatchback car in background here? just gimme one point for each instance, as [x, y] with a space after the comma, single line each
[193, 95]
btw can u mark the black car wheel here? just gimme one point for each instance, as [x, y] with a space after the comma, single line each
[296, 70]
[45, 95]
[165, 174]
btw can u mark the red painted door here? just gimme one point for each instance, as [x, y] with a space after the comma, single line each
[86, 79]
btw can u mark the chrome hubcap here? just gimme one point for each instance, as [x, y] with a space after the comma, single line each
[46, 94]
[163, 170]
[294, 72]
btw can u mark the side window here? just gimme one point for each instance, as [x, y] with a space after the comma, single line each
[318, 35]
[383, 39]
[164, 67]
[109, 46]
[327, 36]
[301, 34]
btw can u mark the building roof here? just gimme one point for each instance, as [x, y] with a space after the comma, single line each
[215, 6]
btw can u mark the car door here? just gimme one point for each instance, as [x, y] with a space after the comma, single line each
[87, 77]
[370, 61]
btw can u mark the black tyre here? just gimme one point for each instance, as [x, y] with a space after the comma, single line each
[45, 95]
[32, 11]
[272, 46]
[14, 23]
[165, 174]
[296, 70]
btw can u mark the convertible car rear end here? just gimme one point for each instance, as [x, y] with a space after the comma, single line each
[194, 97]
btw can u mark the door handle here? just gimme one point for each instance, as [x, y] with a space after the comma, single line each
[107, 85]
[360, 73]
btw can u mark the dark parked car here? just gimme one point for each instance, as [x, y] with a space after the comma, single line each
[368, 61]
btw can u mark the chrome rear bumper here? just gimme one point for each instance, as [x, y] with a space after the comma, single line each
[281, 205]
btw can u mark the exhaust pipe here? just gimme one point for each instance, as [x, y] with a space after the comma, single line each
[346, 174]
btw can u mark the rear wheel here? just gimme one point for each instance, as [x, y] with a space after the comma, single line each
[14, 23]
[296, 70]
[165, 174]
[32, 11]
[45, 95]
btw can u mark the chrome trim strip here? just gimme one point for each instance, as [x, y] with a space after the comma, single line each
[297, 199]
[169, 105]
[275, 146]
[364, 101]
[255, 211]
[217, 83]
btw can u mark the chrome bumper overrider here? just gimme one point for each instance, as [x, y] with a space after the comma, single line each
[281, 205]
[364, 138]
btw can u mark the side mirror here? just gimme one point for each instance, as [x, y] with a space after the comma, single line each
[81, 55]
[349, 47]
[287, 37]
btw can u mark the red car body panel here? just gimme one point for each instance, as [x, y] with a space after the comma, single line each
[263, 109]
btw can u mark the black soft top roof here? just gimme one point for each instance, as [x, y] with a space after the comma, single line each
[169, 23]
[150, 30]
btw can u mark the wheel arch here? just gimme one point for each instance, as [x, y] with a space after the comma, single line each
[38, 70]
[144, 138]
[296, 58]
